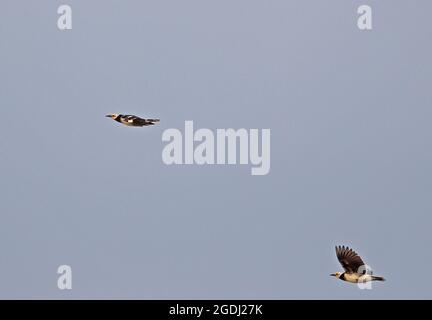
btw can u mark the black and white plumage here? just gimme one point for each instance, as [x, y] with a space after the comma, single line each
[355, 269]
[131, 120]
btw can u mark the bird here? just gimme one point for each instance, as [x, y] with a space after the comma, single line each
[131, 120]
[355, 268]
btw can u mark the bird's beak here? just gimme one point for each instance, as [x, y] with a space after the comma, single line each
[108, 115]
[333, 275]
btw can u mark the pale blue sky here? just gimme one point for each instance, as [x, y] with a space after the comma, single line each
[350, 117]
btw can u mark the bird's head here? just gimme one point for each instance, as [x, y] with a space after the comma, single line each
[112, 116]
[337, 274]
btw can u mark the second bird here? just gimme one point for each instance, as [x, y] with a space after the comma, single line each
[355, 269]
[131, 120]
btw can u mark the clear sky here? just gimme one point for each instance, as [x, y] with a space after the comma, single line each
[350, 116]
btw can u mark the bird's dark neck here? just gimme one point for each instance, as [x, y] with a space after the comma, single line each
[342, 276]
[118, 118]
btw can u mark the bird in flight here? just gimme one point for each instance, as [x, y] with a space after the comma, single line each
[355, 268]
[131, 120]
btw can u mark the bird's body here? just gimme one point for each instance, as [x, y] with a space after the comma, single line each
[357, 277]
[131, 120]
[355, 269]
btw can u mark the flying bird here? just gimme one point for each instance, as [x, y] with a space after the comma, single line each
[355, 268]
[131, 120]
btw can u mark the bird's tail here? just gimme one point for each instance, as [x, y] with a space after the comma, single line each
[153, 120]
[376, 278]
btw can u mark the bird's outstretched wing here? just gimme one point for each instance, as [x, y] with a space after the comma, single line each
[349, 259]
[140, 121]
[137, 121]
